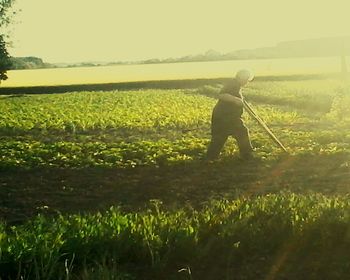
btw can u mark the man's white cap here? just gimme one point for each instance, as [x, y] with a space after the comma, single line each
[245, 74]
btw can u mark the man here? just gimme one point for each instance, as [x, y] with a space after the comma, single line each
[226, 118]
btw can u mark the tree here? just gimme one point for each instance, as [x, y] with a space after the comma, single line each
[5, 62]
[5, 17]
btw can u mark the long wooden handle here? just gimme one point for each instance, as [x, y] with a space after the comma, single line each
[251, 112]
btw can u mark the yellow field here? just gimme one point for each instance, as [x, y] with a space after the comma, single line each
[173, 71]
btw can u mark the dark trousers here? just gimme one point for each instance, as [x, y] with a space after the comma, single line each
[221, 130]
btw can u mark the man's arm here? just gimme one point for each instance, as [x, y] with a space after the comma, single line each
[230, 98]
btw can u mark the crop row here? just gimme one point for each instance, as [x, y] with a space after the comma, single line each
[148, 109]
[243, 238]
[32, 153]
[104, 110]
[155, 127]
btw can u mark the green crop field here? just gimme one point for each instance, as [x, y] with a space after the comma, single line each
[114, 185]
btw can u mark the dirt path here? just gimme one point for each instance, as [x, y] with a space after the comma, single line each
[24, 193]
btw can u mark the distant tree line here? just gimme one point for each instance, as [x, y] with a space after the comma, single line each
[210, 55]
[30, 62]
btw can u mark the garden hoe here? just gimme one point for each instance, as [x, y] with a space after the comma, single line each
[251, 112]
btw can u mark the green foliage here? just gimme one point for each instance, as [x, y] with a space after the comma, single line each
[340, 110]
[313, 96]
[122, 129]
[30, 62]
[5, 62]
[82, 112]
[5, 6]
[246, 237]
[157, 127]
[210, 91]
[5, 17]
[87, 154]
[227, 237]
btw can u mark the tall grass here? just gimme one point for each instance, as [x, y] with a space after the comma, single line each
[248, 238]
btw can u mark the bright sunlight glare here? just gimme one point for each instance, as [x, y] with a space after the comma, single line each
[115, 30]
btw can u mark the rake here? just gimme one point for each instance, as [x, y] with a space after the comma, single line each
[255, 116]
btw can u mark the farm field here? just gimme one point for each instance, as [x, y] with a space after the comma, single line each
[96, 185]
[169, 71]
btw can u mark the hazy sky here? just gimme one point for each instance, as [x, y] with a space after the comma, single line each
[114, 30]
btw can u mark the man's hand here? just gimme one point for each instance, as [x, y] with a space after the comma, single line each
[232, 99]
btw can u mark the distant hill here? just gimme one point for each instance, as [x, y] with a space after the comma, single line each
[335, 46]
[322, 47]
[317, 47]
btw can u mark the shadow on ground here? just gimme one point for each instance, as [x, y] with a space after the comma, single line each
[25, 193]
[165, 84]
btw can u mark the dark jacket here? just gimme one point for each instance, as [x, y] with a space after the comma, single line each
[227, 112]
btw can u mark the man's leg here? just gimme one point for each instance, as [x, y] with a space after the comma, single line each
[217, 142]
[241, 134]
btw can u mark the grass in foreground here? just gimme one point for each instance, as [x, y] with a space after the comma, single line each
[280, 236]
